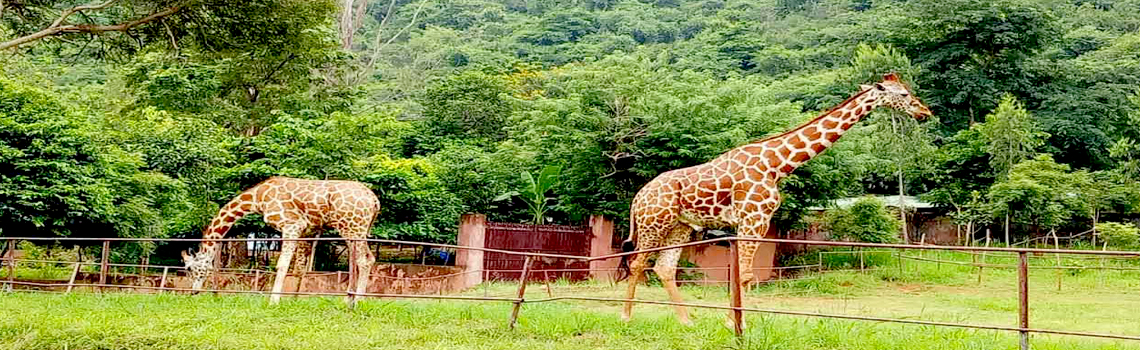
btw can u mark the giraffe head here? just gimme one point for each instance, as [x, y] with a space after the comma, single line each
[893, 93]
[199, 266]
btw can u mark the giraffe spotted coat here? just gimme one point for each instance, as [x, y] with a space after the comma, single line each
[740, 188]
[296, 208]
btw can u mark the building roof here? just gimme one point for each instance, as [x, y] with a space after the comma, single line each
[890, 201]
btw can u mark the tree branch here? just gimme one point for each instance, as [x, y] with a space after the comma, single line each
[57, 27]
[376, 51]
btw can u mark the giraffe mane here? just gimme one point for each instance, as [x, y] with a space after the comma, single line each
[813, 120]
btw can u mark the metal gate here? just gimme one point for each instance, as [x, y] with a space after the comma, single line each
[549, 239]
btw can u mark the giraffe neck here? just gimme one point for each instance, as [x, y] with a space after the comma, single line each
[229, 214]
[796, 147]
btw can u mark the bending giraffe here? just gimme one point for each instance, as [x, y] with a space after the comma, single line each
[295, 207]
[740, 188]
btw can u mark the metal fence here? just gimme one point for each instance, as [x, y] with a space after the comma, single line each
[735, 305]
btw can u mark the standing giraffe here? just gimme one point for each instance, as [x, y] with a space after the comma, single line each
[295, 207]
[740, 187]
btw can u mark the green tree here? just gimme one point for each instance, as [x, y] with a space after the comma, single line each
[59, 181]
[1040, 193]
[1011, 135]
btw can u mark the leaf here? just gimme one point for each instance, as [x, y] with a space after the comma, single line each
[506, 196]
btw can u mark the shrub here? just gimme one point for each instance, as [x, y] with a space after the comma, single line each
[1119, 235]
[866, 220]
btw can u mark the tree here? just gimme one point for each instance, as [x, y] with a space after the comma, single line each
[471, 106]
[973, 50]
[907, 143]
[59, 181]
[1011, 135]
[1041, 193]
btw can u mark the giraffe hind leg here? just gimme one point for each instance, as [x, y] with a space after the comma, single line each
[362, 265]
[636, 272]
[666, 269]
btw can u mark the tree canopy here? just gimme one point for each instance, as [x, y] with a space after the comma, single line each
[135, 118]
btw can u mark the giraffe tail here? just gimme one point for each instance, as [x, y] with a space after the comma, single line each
[629, 245]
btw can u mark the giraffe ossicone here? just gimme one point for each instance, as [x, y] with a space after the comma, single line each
[296, 208]
[740, 188]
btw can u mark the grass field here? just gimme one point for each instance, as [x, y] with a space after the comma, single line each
[1088, 301]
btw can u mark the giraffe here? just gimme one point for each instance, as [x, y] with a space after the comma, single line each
[295, 207]
[739, 188]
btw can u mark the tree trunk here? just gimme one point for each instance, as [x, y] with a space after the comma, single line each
[902, 208]
[1007, 229]
[236, 255]
[1096, 215]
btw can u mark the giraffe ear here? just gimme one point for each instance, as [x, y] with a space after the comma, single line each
[864, 87]
[891, 77]
[185, 256]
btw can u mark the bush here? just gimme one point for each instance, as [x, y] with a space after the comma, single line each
[867, 220]
[1119, 235]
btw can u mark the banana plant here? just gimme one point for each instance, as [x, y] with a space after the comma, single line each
[534, 191]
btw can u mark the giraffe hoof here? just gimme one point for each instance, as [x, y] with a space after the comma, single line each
[686, 322]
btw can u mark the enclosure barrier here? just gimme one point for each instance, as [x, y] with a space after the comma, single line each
[735, 306]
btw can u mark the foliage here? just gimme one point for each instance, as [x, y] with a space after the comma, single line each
[865, 220]
[59, 181]
[441, 104]
[1010, 134]
[1040, 192]
[534, 191]
[1119, 235]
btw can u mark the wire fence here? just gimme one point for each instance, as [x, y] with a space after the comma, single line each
[735, 305]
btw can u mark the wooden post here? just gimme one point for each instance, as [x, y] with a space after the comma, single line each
[162, 283]
[11, 265]
[980, 267]
[522, 292]
[74, 273]
[734, 289]
[862, 265]
[309, 265]
[103, 265]
[1023, 298]
[352, 273]
[1057, 245]
[546, 280]
[256, 285]
[217, 269]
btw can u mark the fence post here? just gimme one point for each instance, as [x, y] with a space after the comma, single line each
[862, 264]
[522, 291]
[104, 265]
[352, 274]
[1023, 296]
[734, 289]
[217, 267]
[74, 273]
[162, 283]
[11, 265]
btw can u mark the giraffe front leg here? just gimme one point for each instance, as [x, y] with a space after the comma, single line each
[754, 229]
[283, 261]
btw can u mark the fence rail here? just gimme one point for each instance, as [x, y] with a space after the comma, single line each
[735, 299]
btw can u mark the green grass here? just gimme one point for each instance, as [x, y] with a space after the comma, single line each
[1088, 301]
